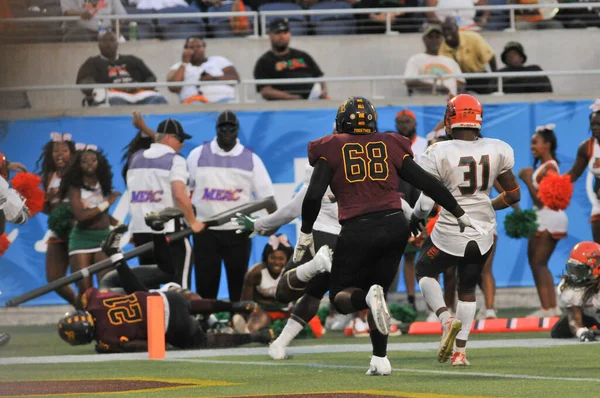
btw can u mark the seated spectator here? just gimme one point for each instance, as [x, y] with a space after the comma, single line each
[195, 66]
[535, 18]
[465, 19]
[111, 67]
[514, 58]
[284, 62]
[376, 22]
[91, 13]
[157, 4]
[472, 53]
[578, 18]
[430, 63]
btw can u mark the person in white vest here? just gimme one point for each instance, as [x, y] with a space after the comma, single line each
[156, 179]
[224, 174]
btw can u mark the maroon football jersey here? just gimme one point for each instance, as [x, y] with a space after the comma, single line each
[365, 170]
[118, 318]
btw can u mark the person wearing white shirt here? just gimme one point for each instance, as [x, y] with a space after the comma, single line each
[195, 66]
[465, 18]
[224, 174]
[430, 63]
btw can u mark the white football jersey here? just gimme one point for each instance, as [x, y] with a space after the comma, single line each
[573, 297]
[468, 169]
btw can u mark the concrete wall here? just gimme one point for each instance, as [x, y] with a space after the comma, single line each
[337, 55]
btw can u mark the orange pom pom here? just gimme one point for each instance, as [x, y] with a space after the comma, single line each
[431, 223]
[4, 244]
[555, 191]
[28, 186]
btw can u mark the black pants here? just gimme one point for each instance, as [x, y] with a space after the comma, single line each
[183, 331]
[179, 254]
[368, 251]
[211, 247]
[561, 329]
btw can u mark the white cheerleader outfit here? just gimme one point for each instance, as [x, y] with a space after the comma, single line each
[593, 173]
[555, 222]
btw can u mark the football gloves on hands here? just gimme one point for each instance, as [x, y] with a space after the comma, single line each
[586, 335]
[246, 223]
[305, 242]
[465, 221]
[416, 225]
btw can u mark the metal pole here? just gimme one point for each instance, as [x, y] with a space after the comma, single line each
[118, 28]
[255, 26]
[388, 23]
[511, 16]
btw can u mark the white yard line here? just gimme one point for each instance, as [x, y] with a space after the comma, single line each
[240, 351]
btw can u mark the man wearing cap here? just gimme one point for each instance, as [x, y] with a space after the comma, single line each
[224, 174]
[156, 179]
[514, 58]
[430, 63]
[284, 62]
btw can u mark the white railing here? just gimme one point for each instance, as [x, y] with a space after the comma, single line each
[260, 17]
[246, 85]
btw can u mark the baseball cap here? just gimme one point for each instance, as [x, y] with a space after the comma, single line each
[227, 117]
[406, 112]
[279, 25]
[433, 27]
[172, 126]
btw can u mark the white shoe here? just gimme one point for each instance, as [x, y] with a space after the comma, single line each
[485, 313]
[394, 321]
[541, 313]
[450, 329]
[323, 259]
[277, 352]
[459, 359]
[379, 310]
[338, 322]
[360, 328]
[379, 366]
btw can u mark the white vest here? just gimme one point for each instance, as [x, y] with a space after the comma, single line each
[150, 189]
[222, 183]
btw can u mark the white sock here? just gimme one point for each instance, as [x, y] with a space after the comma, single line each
[307, 271]
[465, 312]
[289, 332]
[116, 257]
[432, 291]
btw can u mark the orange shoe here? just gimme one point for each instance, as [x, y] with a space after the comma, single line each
[459, 359]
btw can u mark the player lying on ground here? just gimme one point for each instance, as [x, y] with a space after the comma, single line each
[467, 165]
[579, 291]
[363, 168]
[118, 322]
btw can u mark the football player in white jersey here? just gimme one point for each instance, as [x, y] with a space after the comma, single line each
[588, 155]
[579, 292]
[467, 165]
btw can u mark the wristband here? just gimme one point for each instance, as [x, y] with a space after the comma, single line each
[581, 331]
[103, 206]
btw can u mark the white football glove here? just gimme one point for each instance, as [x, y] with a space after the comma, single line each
[305, 242]
[465, 221]
[14, 208]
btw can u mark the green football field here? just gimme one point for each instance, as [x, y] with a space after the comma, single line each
[503, 365]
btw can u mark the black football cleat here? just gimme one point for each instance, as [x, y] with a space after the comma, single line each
[244, 307]
[157, 220]
[4, 339]
[112, 244]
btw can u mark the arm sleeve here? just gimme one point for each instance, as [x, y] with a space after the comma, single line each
[261, 181]
[508, 159]
[262, 70]
[179, 171]
[192, 165]
[406, 209]
[311, 206]
[423, 206]
[316, 151]
[284, 214]
[223, 62]
[424, 181]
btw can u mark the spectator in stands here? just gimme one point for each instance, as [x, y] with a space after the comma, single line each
[472, 53]
[91, 13]
[430, 63]
[579, 18]
[514, 58]
[284, 62]
[376, 22]
[195, 66]
[112, 67]
[465, 19]
[535, 18]
[157, 4]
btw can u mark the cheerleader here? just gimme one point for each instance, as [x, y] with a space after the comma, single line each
[588, 155]
[87, 185]
[552, 224]
[52, 165]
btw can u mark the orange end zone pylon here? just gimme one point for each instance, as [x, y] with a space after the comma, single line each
[156, 327]
[502, 325]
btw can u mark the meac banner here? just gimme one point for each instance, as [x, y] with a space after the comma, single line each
[280, 138]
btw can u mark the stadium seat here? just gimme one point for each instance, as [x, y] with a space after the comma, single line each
[499, 19]
[181, 28]
[220, 25]
[298, 25]
[333, 24]
[146, 28]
